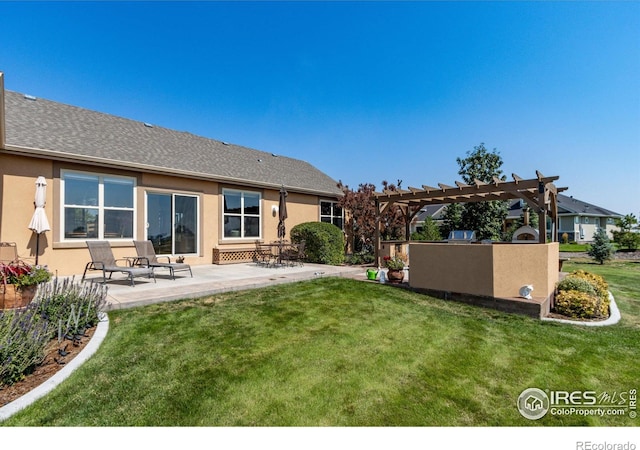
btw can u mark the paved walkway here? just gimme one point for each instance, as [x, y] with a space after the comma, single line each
[212, 279]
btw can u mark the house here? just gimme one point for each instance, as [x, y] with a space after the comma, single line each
[577, 218]
[120, 180]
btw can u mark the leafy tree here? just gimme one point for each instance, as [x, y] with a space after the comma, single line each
[601, 249]
[360, 224]
[393, 223]
[626, 237]
[486, 218]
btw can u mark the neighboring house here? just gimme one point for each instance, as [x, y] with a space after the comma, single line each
[577, 218]
[118, 179]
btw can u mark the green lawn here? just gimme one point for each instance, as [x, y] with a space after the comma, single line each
[574, 247]
[339, 352]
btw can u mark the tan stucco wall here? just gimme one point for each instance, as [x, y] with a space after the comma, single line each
[460, 268]
[516, 265]
[493, 270]
[17, 190]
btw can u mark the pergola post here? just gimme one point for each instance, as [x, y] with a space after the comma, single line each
[377, 234]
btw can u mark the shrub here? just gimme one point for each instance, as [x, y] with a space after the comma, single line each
[61, 308]
[598, 283]
[359, 258]
[583, 295]
[573, 283]
[627, 239]
[324, 242]
[576, 304]
[565, 238]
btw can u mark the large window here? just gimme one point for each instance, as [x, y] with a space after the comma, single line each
[97, 206]
[241, 214]
[172, 223]
[330, 212]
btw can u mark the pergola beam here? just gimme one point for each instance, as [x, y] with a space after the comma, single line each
[539, 193]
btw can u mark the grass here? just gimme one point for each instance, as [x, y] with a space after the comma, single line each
[574, 247]
[339, 352]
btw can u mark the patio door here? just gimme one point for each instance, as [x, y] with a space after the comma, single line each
[172, 223]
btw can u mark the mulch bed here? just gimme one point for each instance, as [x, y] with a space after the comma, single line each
[49, 367]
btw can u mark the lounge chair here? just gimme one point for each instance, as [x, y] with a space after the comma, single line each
[102, 259]
[147, 255]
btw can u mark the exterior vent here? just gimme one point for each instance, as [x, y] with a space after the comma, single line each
[30, 97]
[148, 125]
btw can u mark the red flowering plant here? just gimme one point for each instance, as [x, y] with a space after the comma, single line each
[22, 274]
[394, 263]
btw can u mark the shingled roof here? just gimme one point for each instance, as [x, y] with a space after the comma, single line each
[65, 132]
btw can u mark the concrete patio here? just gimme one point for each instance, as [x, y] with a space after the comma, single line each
[211, 279]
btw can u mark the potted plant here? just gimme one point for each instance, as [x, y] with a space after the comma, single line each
[395, 266]
[19, 282]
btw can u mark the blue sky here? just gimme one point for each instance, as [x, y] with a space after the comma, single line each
[365, 91]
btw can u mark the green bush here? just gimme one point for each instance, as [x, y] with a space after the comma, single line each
[627, 239]
[324, 242]
[61, 309]
[574, 283]
[583, 295]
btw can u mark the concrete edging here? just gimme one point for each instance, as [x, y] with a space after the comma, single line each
[614, 317]
[98, 336]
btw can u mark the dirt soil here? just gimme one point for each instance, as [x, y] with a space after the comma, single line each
[49, 367]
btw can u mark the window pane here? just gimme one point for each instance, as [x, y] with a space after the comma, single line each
[337, 211]
[186, 224]
[325, 219]
[232, 226]
[80, 223]
[251, 227]
[325, 208]
[80, 190]
[118, 193]
[118, 224]
[251, 204]
[337, 221]
[232, 202]
[159, 229]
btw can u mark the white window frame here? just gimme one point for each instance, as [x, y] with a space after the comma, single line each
[100, 207]
[242, 214]
[333, 203]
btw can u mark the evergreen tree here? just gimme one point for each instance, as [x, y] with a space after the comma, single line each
[602, 249]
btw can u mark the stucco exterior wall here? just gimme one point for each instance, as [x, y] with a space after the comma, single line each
[461, 268]
[516, 265]
[17, 190]
[491, 270]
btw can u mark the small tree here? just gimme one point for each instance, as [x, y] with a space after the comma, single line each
[451, 219]
[626, 237]
[430, 231]
[602, 249]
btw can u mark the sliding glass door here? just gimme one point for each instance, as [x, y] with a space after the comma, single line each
[172, 223]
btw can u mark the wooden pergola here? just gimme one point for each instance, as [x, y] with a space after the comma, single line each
[540, 194]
